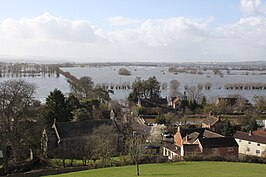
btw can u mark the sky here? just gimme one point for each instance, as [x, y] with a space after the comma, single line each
[134, 30]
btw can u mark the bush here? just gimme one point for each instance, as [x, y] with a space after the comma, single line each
[207, 158]
[254, 159]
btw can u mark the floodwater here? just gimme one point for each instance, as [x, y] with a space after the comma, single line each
[109, 75]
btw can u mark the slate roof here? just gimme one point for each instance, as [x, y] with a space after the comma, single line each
[192, 137]
[211, 134]
[247, 137]
[82, 128]
[259, 133]
[172, 148]
[218, 142]
[210, 120]
[187, 131]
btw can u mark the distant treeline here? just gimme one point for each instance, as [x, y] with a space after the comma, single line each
[28, 70]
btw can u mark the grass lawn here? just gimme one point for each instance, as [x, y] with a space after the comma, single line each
[180, 169]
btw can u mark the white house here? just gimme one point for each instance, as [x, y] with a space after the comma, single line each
[171, 151]
[250, 144]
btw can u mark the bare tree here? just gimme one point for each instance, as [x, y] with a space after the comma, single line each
[105, 144]
[16, 96]
[135, 147]
[174, 85]
[195, 93]
[260, 103]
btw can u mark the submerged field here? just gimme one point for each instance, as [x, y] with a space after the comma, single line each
[181, 169]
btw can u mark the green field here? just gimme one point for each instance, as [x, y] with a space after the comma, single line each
[181, 169]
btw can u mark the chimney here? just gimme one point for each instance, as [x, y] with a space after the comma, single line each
[112, 115]
[139, 102]
[250, 133]
[178, 129]
[186, 138]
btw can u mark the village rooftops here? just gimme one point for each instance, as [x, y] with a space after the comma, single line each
[210, 120]
[198, 132]
[218, 142]
[250, 137]
[259, 133]
[172, 147]
[186, 131]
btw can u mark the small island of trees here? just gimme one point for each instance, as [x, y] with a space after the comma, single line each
[124, 71]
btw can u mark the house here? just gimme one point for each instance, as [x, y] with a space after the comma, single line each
[201, 141]
[250, 144]
[261, 132]
[171, 151]
[64, 135]
[190, 149]
[218, 146]
[151, 108]
[152, 102]
[190, 135]
[213, 123]
[175, 101]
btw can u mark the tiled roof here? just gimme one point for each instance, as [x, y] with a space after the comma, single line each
[259, 132]
[246, 136]
[210, 120]
[201, 132]
[211, 134]
[154, 102]
[191, 138]
[218, 142]
[187, 131]
[170, 146]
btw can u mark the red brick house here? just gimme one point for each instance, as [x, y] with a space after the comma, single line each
[201, 141]
[218, 146]
[190, 135]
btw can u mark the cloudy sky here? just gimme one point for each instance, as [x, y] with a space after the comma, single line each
[134, 30]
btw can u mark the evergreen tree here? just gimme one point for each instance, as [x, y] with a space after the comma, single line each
[55, 108]
[228, 129]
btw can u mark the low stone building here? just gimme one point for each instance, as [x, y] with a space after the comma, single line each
[63, 136]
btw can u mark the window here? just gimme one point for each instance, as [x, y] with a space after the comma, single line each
[248, 149]
[258, 144]
[230, 149]
[239, 140]
[257, 151]
[249, 142]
